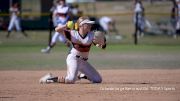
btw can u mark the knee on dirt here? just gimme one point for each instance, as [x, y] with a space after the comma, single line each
[97, 79]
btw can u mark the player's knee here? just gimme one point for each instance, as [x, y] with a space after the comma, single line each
[97, 80]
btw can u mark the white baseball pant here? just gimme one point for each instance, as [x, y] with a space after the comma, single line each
[59, 36]
[75, 64]
[14, 22]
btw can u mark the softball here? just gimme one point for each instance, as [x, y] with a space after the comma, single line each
[70, 24]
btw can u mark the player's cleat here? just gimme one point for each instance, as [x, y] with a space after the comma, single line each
[54, 79]
[82, 76]
[48, 78]
[46, 50]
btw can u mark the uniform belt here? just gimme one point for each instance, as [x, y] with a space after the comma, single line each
[80, 57]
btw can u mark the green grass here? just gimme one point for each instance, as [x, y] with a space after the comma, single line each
[153, 52]
[115, 57]
[20, 53]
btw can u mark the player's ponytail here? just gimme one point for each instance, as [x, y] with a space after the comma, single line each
[76, 27]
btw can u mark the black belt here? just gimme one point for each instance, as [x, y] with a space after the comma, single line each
[80, 57]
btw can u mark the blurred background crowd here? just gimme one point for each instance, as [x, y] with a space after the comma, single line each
[111, 16]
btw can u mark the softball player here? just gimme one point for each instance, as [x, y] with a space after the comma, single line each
[60, 17]
[81, 39]
[14, 20]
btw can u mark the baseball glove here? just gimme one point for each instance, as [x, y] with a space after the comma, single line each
[99, 39]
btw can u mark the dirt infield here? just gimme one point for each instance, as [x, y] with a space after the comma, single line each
[118, 85]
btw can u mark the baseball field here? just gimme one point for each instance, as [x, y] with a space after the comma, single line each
[148, 71]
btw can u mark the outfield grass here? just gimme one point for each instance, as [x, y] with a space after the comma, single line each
[22, 53]
[152, 52]
[114, 57]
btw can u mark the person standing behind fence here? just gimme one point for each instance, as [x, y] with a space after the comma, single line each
[139, 20]
[15, 20]
[178, 17]
[174, 17]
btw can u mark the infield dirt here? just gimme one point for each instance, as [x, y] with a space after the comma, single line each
[117, 85]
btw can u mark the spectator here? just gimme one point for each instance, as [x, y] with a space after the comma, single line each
[76, 12]
[174, 17]
[139, 20]
[178, 17]
[108, 25]
[2, 24]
